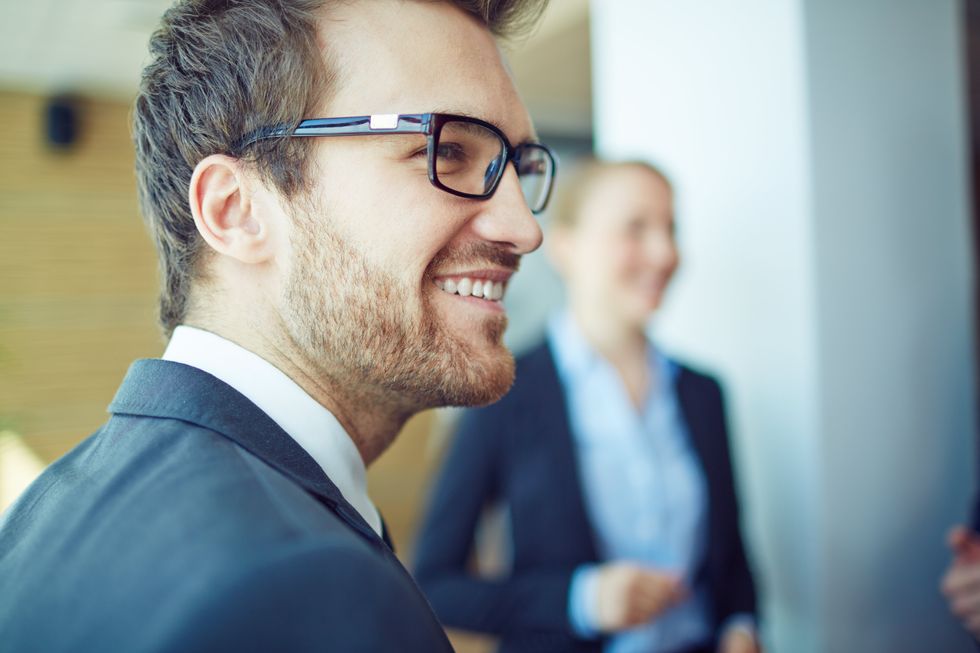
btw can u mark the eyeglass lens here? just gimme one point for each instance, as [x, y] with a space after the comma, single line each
[534, 169]
[470, 159]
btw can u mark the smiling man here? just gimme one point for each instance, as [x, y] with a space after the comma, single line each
[339, 193]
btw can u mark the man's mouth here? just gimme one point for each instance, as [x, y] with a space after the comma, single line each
[472, 287]
[488, 284]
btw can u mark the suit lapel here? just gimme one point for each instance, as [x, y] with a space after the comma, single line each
[698, 416]
[553, 422]
[695, 416]
[158, 388]
[386, 535]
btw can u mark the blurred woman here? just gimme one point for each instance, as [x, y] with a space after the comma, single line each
[611, 459]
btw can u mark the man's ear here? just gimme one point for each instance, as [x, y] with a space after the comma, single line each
[221, 200]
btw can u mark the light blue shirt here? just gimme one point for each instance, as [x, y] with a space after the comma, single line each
[644, 488]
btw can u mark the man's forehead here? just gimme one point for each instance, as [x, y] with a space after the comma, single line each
[516, 126]
[410, 56]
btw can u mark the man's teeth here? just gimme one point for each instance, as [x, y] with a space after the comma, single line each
[466, 287]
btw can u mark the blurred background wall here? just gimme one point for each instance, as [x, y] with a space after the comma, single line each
[820, 152]
[819, 149]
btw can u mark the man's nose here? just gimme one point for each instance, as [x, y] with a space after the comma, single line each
[506, 217]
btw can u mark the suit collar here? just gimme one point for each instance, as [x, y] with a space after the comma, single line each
[165, 389]
[576, 360]
[302, 417]
[692, 401]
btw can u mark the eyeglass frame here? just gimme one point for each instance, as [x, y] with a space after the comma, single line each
[428, 124]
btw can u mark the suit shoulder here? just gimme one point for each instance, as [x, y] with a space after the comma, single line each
[197, 536]
[296, 598]
[535, 372]
[326, 567]
[536, 360]
[165, 478]
[697, 376]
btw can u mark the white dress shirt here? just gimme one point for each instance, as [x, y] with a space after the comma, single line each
[305, 420]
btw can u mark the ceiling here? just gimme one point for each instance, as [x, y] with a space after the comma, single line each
[98, 48]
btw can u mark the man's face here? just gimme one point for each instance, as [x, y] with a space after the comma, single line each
[374, 244]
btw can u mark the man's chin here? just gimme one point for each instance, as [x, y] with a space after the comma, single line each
[497, 382]
[485, 370]
[476, 382]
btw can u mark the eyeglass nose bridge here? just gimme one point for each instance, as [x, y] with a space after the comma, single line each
[497, 168]
[512, 155]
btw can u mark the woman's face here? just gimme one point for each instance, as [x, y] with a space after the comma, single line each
[620, 254]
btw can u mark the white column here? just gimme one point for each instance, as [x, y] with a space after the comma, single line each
[819, 153]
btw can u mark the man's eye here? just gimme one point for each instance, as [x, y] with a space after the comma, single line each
[531, 167]
[450, 152]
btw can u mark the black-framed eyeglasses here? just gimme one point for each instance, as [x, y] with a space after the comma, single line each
[466, 156]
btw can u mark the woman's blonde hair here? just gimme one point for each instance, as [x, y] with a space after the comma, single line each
[578, 184]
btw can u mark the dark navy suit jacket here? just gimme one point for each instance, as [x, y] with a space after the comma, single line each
[520, 452]
[191, 522]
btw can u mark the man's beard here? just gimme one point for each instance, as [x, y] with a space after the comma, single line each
[361, 326]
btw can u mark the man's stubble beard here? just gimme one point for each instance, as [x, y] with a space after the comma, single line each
[359, 326]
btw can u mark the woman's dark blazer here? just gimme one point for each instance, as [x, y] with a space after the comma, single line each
[520, 452]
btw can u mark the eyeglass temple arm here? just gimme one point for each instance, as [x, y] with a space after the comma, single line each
[410, 123]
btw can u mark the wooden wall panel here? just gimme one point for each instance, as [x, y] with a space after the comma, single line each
[77, 272]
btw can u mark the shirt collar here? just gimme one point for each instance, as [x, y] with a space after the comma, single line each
[575, 357]
[311, 425]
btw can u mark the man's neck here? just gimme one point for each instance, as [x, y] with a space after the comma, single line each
[370, 419]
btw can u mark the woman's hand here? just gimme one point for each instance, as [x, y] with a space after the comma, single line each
[629, 595]
[739, 640]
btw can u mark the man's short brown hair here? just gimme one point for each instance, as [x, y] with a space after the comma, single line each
[221, 69]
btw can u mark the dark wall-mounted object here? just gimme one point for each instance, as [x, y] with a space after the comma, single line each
[61, 122]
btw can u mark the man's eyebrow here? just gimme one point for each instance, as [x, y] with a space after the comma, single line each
[532, 138]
